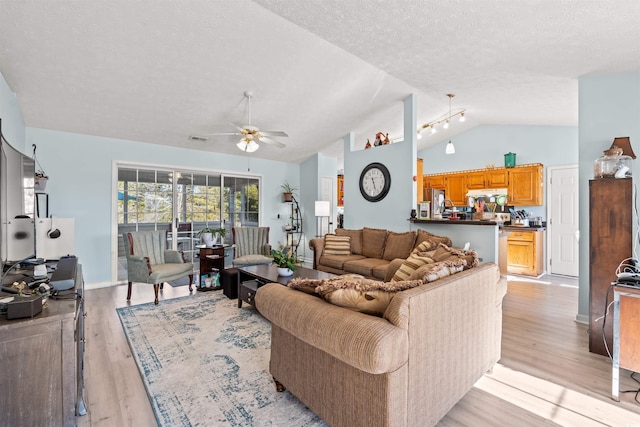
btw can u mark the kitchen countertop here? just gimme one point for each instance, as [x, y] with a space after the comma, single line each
[454, 221]
[476, 222]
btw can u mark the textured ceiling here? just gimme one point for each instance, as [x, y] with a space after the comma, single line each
[158, 71]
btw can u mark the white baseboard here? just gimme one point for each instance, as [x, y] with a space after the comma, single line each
[582, 318]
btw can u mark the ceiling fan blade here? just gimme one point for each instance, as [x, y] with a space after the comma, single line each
[222, 133]
[272, 142]
[273, 133]
[236, 126]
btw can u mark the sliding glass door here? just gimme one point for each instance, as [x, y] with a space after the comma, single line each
[182, 203]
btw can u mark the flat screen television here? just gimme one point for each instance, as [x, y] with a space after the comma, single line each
[17, 204]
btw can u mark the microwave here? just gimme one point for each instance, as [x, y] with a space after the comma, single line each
[424, 210]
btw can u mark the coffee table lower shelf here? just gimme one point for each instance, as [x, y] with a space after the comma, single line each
[252, 277]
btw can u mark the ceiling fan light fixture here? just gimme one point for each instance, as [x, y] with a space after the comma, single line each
[247, 145]
[462, 119]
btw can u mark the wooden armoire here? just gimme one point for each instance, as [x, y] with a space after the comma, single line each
[610, 242]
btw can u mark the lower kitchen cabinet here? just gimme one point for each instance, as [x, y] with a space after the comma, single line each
[525, 252]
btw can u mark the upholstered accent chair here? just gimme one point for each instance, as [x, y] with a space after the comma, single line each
[251, 245]
[149, 260]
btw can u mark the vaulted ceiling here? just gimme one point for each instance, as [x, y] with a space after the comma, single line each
[158, 71]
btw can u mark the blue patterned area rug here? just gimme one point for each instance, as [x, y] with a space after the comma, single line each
[205, 362]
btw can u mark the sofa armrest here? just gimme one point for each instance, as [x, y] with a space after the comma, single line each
[317, 246]
[368, 343]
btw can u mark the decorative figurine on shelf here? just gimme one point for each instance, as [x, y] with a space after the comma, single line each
[386, 139]
[414, 214]
[368, 144]
[378, 140]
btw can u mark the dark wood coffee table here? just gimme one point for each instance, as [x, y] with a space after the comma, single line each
[252, 277]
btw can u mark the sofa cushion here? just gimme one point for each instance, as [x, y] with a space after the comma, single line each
[411, 265]
[373, 241]
[380, 271]
[398, 245]
[337, 245]
[432, 238]
[356, 239]
[337, 261]
[363, 266]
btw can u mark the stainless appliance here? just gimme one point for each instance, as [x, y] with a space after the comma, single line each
[436, 199]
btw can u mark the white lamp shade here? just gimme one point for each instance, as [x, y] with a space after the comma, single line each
[323, 208]
[450, 149]
[248, 145]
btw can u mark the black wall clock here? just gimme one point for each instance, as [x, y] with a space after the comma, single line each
[375, 182]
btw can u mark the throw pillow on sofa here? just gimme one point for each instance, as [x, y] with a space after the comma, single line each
[411, 265]
[425, 236]
[446, 253]
[337, 245]
[355, 292]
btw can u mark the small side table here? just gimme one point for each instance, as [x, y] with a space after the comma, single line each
[210, 259]
[626, 334]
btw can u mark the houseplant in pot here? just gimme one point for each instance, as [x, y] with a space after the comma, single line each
[209, 236]
[287, 191]
[286, 261]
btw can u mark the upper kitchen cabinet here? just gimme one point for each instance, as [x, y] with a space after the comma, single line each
[477, 180]
[496, 178]
[434, 181]
[456, 188]
[525, 185]
[420, 181]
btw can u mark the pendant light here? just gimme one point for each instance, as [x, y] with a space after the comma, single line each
[450, 149]
[444, 119]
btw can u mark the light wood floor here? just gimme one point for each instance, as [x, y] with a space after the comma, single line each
[546, 375]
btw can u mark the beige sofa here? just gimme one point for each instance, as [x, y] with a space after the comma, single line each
[374, 253]
[407, 368]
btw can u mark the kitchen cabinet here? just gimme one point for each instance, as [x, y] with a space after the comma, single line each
[340, 190]
[496, 178]
[476, 180]
[525, 252]
[525, 186]
[456, 189]
[420, 181]
[434, 181]
[610, 242]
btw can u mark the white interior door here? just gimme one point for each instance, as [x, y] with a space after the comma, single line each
[562, 222]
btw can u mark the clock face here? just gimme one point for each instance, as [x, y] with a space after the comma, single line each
[375, 182]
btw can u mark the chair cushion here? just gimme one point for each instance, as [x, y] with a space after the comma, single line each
[337, 245]
[373, 240]
[254, 259]
[398, 245]
[356, 239]
[166, 272]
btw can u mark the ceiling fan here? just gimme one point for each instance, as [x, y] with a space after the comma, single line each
[250, 135]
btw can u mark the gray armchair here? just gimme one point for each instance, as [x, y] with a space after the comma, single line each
[251, 245]
[149, 261]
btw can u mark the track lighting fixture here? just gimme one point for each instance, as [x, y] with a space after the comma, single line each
[445, 118]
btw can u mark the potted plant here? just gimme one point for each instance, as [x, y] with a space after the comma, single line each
[286, 261]
[207, 235]
[288, 191]
[40, 181]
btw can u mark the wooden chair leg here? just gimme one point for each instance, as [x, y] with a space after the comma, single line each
[279, 387]
[129, 292]
[162, 285]
[155, 290]
[190, 282]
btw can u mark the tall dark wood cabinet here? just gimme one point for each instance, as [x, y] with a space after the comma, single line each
[610, 241]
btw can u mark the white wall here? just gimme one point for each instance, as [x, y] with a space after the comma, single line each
[12, 121]
[609, 107]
